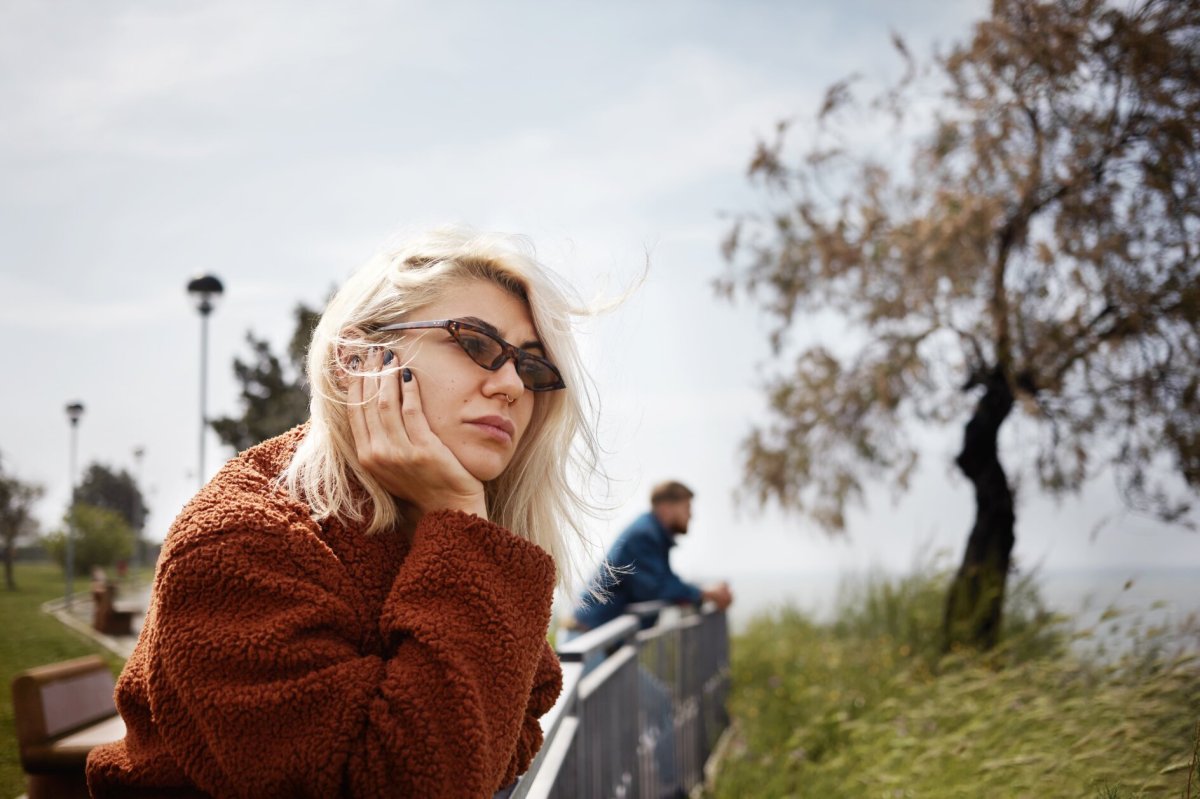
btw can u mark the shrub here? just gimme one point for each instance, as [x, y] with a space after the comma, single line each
[102, 537]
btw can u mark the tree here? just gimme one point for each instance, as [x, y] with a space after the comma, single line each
[1035, 252]
[103, 487]
[17, 499]
[274, 396]
[102, 537]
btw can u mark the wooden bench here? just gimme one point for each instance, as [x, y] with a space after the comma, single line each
[61, 711]
[109, 616]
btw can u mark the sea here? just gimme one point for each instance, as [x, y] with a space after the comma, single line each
[1103, 605]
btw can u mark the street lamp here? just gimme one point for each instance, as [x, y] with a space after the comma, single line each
[139, 555]
[74, 413]
[205, 291]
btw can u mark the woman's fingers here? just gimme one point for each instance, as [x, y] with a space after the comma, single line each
[384, 405]
[445, 482]
[394, 442]
[373, 398]
[425, 449]
[411, 411]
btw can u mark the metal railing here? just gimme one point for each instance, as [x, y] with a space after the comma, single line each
[640, 711]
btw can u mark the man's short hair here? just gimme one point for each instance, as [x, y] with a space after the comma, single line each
[670, 491]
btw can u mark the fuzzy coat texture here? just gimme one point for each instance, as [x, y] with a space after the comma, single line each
[285, 658]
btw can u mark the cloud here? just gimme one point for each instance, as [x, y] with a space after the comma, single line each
[166, 81]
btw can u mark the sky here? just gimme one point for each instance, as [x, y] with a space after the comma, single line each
[280, 144]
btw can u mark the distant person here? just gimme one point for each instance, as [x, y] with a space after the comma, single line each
[638, 566]
[638, 569]
[359, 607]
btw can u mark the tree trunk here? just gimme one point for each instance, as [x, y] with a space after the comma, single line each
[10, 582]
[975, 603]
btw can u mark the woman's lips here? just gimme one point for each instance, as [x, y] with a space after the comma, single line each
[495, 427]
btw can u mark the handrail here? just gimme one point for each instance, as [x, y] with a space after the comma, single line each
[556, 726]
[641, 708]
[594, 641]
[645, 609]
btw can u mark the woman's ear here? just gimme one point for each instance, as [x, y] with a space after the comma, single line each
[348, 355]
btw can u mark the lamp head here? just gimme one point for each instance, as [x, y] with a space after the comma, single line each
[74, 412]
[205, 291]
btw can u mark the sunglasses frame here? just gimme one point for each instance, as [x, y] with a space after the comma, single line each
[507, 351]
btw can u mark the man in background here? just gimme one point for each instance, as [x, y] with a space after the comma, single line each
[638, 566]
[638, 569]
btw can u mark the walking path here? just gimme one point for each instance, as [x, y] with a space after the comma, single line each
[79, 618]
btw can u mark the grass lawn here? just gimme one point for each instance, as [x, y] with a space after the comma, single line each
[869, 707]
[32, 638]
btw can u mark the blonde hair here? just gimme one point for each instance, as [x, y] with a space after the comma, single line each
[532, 497]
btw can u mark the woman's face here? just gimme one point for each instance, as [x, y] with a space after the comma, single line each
[467, 406]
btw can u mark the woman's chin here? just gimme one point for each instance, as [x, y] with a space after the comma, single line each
[486, 467]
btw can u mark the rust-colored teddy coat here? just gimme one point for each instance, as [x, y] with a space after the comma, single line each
[285, 658]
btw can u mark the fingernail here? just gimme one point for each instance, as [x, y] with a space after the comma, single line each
[354, 362]
[406, 373]
[388, 357]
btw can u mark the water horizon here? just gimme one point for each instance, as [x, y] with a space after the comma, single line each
[1113, 596]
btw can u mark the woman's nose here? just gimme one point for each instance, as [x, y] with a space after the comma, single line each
[505, 380]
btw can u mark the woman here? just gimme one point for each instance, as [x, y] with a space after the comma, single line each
[359, 606]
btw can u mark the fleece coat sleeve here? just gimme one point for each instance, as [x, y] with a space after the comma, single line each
[257, 678]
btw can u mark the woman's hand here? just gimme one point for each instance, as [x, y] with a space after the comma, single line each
[395, 445]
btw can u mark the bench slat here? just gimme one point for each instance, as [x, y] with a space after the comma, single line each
[77, 700]
[107, 731]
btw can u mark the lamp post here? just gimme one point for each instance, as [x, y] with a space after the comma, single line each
[74, 413]
[205, 291]
[139, 555]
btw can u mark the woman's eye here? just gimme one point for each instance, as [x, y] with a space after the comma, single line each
[472, 344]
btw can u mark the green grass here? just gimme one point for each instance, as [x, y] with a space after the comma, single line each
[31, 638]
[868, 707]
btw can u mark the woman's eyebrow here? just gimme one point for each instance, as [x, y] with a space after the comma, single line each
[495, 331]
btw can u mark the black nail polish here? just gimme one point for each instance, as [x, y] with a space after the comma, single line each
[406, 373]
[388, 357]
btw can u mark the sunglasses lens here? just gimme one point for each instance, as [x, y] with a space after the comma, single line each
[536, 373]
[483, 350]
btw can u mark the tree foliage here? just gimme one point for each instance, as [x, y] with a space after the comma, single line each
[102, 537]
[1026, 240]
[104, 487]
[274, 394]
[17, 499]
[1043, 230]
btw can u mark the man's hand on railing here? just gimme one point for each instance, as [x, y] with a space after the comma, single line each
[719, 594]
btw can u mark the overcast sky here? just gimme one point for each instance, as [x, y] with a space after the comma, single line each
[279, 144]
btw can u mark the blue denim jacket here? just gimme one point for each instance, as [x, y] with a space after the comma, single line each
[642, 556]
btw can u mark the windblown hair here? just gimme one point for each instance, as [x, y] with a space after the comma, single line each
[532, 497]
